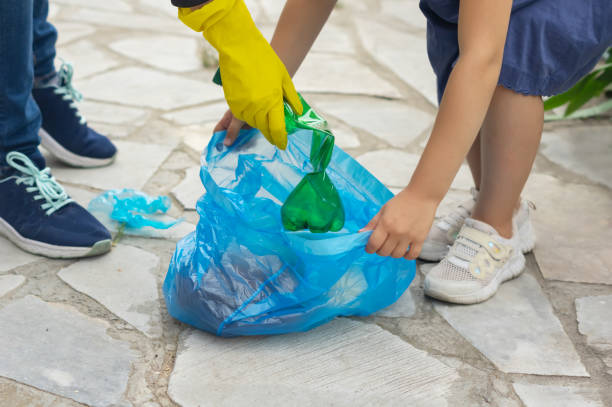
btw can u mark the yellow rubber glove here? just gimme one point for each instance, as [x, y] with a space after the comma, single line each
[254, 78]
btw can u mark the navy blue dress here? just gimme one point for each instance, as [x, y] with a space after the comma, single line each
[551, 44]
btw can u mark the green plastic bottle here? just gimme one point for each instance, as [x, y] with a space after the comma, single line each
[314, 204]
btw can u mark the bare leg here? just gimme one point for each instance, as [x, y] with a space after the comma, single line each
[474, 160]
[510, 137]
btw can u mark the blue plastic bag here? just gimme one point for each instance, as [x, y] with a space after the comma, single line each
[241, 273]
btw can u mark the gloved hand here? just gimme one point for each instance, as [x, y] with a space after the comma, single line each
[254, 79]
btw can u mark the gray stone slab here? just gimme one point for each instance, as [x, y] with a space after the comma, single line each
[146, 87]
[572, 223]
[343, 74]
[343, 363]
[70, 31]
[537, 395]
[11, 256]
[135, 164]
[395, 168]
[404, 54]
[10, 282]
[396, 123]
[87, 59]
[406, 10]
[517, 330]
[171, 52]
[190, 189]
[125, 282]
[15, 394]
[113, 131]
[113, 114]
[198, 115]
[197, 137]
[334, 39]
[595, 320]
[55, 348]
[132, 21]
[344, 136]
[585, 150]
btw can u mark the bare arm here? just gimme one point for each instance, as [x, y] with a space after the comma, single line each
[483, 27]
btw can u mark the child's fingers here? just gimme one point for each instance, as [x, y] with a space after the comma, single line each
[401, 249]
[232, 131]
[413, 253]
[371, 224]
[377, 239]
[387, 247]
[224, 123]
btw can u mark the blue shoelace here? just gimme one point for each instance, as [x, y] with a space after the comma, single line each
[37, 181]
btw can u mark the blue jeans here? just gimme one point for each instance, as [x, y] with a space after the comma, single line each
[27, 51]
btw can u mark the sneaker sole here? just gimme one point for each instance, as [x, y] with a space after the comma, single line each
[70, 158]
[49, 250]
[512, 270]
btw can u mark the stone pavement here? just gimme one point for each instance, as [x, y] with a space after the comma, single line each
[95, 332]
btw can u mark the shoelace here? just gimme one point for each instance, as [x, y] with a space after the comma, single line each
[66, 89]
[38, 181]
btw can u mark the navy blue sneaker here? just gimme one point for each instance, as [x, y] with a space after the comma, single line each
[38, 216]
[64, 130]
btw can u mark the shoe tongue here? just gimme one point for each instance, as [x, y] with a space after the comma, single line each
[38, 160]
[481, 226]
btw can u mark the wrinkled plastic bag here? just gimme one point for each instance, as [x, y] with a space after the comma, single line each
[133, 210]
[242, 273]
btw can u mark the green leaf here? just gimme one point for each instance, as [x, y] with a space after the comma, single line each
[592, 88]
[563, 98]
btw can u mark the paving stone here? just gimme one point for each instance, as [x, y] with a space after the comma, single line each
[407, 11]
[573, 242]
[334, 39]
[131, 21]
[19, 395]
[344, 363]
[125, 282]
[517, 330]
[10, 282]
[537, 395]
[135, 164]
[395, 167]
[405, 54]
[397, 124]
[164, 8]
[69, 31]
[190, 189]
[112, 113]
[171, 52]
[82, 196]
[197, 137]
[323, 73]
[272, 9]
[585, 150]
[59, 350]
[11, 256]
[146, 87]
[113, 5]
[87, 59]
[344, 136]
[198, 115]
[594, 320]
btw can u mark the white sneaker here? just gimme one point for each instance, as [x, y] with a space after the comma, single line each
[444, 231]
[477, 263]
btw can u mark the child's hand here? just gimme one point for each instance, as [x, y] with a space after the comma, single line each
[402, 223]
[232, 125]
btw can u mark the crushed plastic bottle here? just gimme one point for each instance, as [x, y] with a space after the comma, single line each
[314, 204]
[133, 209]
